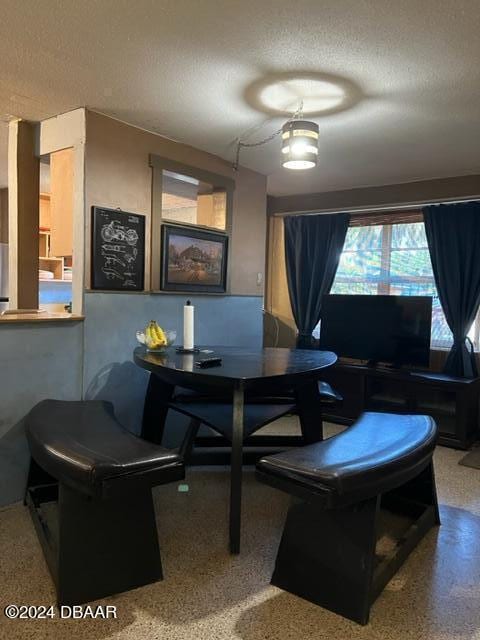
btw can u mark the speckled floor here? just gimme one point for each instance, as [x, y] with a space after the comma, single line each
[208, 594]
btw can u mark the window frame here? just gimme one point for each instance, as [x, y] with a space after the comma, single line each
[385, 281]
[159, 164]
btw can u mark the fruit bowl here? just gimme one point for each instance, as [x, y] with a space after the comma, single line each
[170, 335]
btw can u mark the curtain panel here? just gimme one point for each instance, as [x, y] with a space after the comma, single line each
[453, 235]
[313, 245]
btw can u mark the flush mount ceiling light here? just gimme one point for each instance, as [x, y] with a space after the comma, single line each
[299, 142]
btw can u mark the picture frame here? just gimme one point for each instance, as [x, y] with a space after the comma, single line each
[118, 250]
[193, 260]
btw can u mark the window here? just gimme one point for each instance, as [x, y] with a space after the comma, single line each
[187, 196]
[393, 259]
[188, 200]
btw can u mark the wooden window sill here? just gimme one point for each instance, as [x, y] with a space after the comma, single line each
[34, 318]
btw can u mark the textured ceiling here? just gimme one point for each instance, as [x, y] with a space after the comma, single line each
[189, 70]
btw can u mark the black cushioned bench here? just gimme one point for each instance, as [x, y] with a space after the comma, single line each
[373, 479]
[261, 409]
[89, 493]
[327, 395]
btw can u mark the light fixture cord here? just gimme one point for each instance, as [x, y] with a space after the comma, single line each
[298, 114]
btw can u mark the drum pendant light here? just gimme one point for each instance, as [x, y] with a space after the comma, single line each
[299, 144]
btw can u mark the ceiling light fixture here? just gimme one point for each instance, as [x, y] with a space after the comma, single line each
[299, 142]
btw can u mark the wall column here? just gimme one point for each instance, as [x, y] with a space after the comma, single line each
[4, 216]
[23, 214]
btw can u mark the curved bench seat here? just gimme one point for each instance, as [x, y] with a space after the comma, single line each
[218, 416]
[376, 473]
[261, 408]
[99, 532]
[83, 445]
[328, 395]
[377, 453]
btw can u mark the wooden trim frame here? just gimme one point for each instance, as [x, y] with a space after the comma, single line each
[200, 234]
[23, 212]
[61, 132]
[387, 218]
[160, 164]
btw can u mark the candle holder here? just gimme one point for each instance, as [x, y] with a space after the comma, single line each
[183, 350]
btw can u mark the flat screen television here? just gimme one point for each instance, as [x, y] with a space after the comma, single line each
[381, 329]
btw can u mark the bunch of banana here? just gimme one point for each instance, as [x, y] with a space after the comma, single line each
[154, 335]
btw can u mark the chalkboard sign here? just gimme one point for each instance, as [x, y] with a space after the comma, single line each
[118, 250]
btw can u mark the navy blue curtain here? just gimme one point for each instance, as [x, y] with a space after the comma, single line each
[313, 245]
[453, 235]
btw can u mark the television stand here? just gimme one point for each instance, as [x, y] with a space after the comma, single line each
[452, 402]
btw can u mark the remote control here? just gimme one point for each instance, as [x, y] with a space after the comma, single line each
[208, 362]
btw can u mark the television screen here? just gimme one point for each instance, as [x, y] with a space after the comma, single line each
[390, 329]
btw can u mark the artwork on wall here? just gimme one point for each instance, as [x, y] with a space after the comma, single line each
[118, 250]
[193, 260]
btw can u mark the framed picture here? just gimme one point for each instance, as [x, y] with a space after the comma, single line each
[118, 250]
[193, 260]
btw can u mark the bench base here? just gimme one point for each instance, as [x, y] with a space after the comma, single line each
[95, 547]
[334, 557]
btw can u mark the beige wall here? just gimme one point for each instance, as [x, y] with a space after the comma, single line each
[118, 174]
[4, 215]
[423, 191]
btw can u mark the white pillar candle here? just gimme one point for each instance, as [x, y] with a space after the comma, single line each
[188, 310]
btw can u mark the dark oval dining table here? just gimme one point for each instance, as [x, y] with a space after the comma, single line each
[242, 370]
